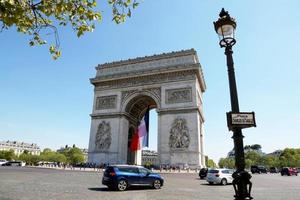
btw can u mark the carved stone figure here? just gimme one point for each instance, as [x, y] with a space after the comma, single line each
[179, 134]
[103, 136]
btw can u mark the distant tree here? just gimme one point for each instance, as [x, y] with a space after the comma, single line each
[26, 151]
[60, 158]
[8, 155]
[290, 157]
[227, 163]
[211, 163]
[52, 156]
[46, 150]
[29, 159]
[73, 155]
[248, 163]
[256, 147]
[272, 161]
[34, 17]
[247, 147]
[253, 156]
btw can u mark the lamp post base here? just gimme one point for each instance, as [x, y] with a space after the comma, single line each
[242, 185]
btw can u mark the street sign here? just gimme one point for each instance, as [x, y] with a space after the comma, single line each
[240, 120]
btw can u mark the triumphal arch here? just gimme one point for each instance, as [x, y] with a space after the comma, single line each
[173, 84]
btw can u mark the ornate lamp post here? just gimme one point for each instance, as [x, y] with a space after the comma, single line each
[225, 27]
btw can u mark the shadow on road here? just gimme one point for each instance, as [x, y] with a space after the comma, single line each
[215, 185]
[102, 189]
[105, 189]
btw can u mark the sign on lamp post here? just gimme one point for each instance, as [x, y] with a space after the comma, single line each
[240, 120]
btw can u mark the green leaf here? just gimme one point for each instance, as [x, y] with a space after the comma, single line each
[129, 13]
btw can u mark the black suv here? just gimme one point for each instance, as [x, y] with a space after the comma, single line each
[203, 173]
[258, 169]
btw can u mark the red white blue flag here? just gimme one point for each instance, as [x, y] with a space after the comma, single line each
[143, 130]
[140, 138]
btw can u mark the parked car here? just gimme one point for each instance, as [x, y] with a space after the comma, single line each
[120, 177]
[14, 163]
[258, 169]
[289, 171]
[2, 162]
[298, 169]
[219, 176]
[203, 173]
[273, 170]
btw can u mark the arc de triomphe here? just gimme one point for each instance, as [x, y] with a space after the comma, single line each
[173, 83]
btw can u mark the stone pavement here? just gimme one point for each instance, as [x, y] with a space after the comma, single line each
[23, 183]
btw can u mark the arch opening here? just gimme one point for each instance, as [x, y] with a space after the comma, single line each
[136, 108]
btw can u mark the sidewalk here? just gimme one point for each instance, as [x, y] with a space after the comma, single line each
[163, 171]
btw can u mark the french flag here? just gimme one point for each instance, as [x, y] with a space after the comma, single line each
[143, 130]
[140, 138]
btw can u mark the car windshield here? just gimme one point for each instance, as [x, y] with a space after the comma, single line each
[213, 171]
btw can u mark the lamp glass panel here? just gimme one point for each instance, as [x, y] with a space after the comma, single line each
[226, 30]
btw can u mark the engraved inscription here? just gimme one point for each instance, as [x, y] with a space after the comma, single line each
[179, 134]
[106, 102]
[103, 136]
[178, 95]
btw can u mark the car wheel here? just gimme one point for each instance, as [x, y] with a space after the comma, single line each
[156, 184]
[223, 181]
[122, 185]
[210, 183]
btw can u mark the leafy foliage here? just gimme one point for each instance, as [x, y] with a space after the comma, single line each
[32, 17]
[211, 163]
[30, 159]
[74, 155]
[289, 158]
[227, 163]
[52, 156]
[7, 155]
[256, 147]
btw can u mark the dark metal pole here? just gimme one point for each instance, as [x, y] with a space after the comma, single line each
[241, 177]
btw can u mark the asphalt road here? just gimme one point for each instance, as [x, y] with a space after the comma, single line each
[22, 183]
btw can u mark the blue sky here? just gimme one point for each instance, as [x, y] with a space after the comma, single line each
[48, 102]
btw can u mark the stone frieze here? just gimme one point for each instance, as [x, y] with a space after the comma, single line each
[180, 95]
[106, 102]
[147, 80]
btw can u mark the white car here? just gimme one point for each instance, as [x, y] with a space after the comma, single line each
[2, 161]
[219, 176]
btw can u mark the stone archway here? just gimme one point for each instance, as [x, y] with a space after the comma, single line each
[172, 83]
[135, 107]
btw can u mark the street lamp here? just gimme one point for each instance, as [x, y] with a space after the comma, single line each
[225, 28]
